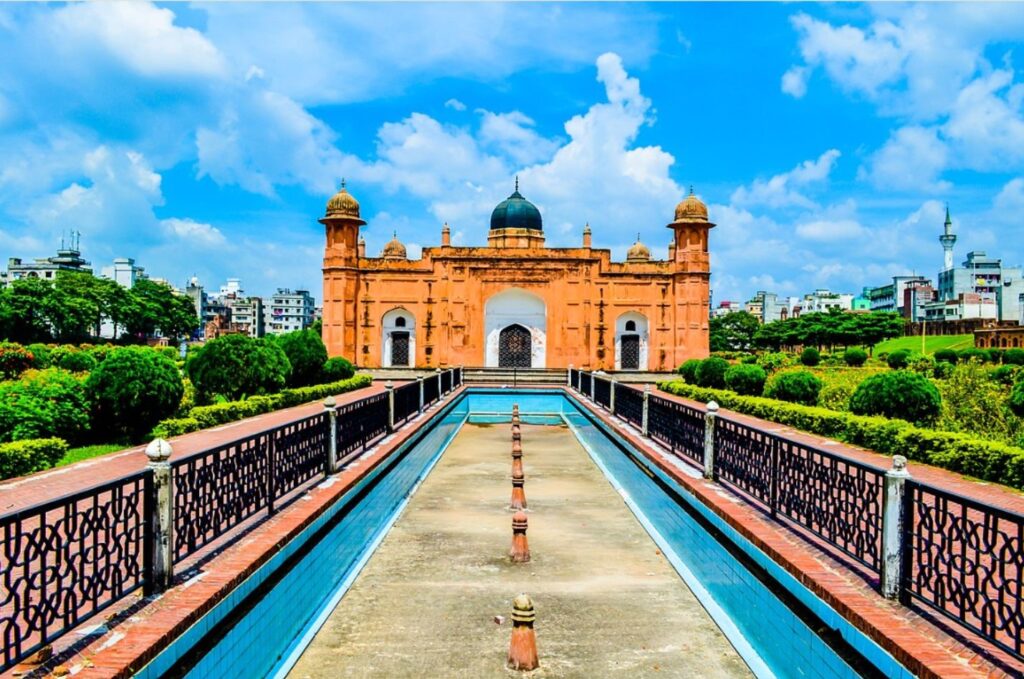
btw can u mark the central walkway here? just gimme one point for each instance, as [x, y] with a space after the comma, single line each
[608, 603]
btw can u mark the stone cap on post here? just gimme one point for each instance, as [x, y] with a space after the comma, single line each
[330, 403]
[159, 450]
[712, 407]
[899, 468]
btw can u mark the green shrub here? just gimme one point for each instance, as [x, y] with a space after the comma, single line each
[689, 370]
[749, 359]
[72, 359]
[170, 352]
[984, 459]
[19, 458]
[897, 394]
[1016, 401]
[14, 360]
[993, 356]
[974, 403]
[43, 404]
[1010, 357]
[899, 359]
[132, 390]
[711, 372]
[972, 353]
[855, 357]
[1005, 374]
[835, 396]
[40, 355]
[810, 357]
[947, 356]
[922, 365]
[306, 353]
[746, 379]
[942, 370]
[337, 369]
[101, 351]
[234, 366]
[772, 361]
[795, 386]
[174, 427]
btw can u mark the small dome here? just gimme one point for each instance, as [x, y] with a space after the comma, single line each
[343, 204]
[394, 249]
[515, 212]
[691, 209]
[639, 252]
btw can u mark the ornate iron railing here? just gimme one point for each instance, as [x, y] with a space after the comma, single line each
[585, 384]
[965, 560]
[299, 453]
[456, 377]
[677, 426]
[629, 404]
[407, 401]
[446, 381]
[360, 423]
[602, 392]
[431, 390]
[67, 559]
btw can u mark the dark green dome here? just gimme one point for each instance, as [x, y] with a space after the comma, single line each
[515, 212]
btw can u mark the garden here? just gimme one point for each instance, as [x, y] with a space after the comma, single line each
[60, 403]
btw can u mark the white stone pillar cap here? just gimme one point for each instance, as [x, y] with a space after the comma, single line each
[712, 407]
[159, 450]
[329, 402]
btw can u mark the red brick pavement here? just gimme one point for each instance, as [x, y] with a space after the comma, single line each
[29, 490]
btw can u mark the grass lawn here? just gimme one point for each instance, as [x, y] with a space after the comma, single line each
[932, 343]
[85, 452]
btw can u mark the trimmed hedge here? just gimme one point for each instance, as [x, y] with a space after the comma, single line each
[746, 379]
[898, 394]
[202, 417]
[795, 386]
[689, 370]
[19, 458]
[711, 372]
[855, 357]
[962, 453]
[810, 357]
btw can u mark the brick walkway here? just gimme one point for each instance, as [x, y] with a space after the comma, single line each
[30, 490]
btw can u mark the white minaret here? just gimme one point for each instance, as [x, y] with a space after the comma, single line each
[948, 240]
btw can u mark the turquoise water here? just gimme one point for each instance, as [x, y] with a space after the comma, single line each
[765, 613]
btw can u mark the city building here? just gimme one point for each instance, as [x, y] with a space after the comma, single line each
[288, 311]
[248, 314]
[516, 302]
[862, 302]
[824, 300]
[967, 305]
[890, 297]
[68, 258]
[725, 308]
[123, 272]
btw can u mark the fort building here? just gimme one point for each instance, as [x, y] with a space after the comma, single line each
[516, 302]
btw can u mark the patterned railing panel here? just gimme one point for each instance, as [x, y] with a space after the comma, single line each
[430, 390]
[360, 423]
[65, 560]
[602, 392]
[585, 379]
[446, 381]
[836, 498]
[216, 490]
[407, 401]
[965, 560]
[744, 459]
[629, 404]
[677, 426]
[300, 453]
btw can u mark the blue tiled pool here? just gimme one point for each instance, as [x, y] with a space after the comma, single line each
[767, 615]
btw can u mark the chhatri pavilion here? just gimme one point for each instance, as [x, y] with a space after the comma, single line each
[516, 302]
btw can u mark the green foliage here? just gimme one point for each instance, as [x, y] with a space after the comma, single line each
[1013, 357]
[711, 372]
[42, 404]
[307, 355]
[733, 332]
[810, 357]
[19, 458]
[972, 353]
[72, 359]
[234, 366]
[835, 328]
[855, 357]
[1005, 375]
[101, 351]
[174, 427]
[973, 402]
[1016, 400]
[746, 379]
[795, 386]
[14, 360]
[773, 361]
[898, 394]
[947, 356]
[40, 355]
[835, 395]
[899, 359]
[337, 369]
[86, 452]
[962, 453]
[942, 370]
[689, 370]
[132, 390]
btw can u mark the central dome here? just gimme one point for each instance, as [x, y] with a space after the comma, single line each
[515, 212]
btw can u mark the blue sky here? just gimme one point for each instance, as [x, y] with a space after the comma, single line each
[206, 139]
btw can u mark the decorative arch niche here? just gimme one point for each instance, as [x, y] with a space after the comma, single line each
[510, 307]
[398, 339]
[632, 341]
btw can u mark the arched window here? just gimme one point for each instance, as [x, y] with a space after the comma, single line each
[399, 322]
[630, 326]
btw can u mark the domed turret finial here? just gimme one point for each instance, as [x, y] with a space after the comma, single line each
[517, 183]
[342, 182]
[691, 189]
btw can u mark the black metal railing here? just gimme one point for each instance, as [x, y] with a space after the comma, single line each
[602, 392]
[629, 404]
[677, 426]
[360, 424]
[407, 402]
[585, 384]
[431, 390]
[574, 378]
[446, 381]
[456, 377]
[65, 560]
[965, 560]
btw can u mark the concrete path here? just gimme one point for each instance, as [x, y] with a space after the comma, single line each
[608, 603]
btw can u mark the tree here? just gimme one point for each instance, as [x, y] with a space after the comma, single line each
[733, 332]
[132, 389]
[796, 386]
[746, 379]
[337, 369]
[234, 366]
[899, 393]
[306, 353]
[711, 372]
[158, 308]
[43, 403]
[22, 310]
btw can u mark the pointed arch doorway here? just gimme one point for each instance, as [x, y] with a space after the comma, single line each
[515, 347]
[515, 334]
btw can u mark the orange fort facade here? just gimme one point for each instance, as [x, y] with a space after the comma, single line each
[515, 302]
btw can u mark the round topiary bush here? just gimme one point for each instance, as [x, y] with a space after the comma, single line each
[132, 390]
[795, 386]
[810, 356]
[101, 351]
[899, 393]
[43, 403]
[40, 355]
[711, 372]
[306, 353]
[234, 366]
[855, 357]
[946, 356]
[72, 359]
[1005, 374]
[746, 379]
[337, 369]
[973, 354]
[943, 370]
[898, 359]
[14, 360]
[1010, 357]
[689, 370]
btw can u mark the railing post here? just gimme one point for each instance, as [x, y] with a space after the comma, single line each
[644, 419]
[440, 391]
[709, 440]
[390, 388]
[419, 379]
[271, 472]
[892, 527]
[611, 396]
[568, 376]
[161, 519]
[593, 381]
[331, 407]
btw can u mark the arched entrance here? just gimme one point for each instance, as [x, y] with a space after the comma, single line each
[398, 343]
[515, 330]
[515, 347]
[631, 341]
